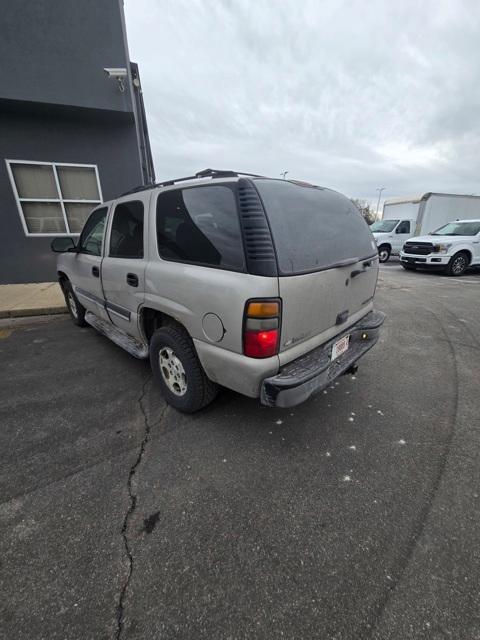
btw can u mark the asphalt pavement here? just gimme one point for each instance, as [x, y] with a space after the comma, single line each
[353, 516]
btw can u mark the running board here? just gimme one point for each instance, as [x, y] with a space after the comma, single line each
[116, 335]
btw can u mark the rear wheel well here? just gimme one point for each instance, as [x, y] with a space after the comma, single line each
[152, 319]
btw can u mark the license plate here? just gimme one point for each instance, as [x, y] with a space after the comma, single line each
[340, 347]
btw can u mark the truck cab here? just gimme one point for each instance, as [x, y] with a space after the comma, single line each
[391, 235]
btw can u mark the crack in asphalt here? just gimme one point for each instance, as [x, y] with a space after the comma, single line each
[133, 505]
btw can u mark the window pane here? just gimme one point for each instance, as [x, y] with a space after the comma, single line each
[126, 240]
[43, 217]
[34, 181]
[312, 227]
[77, 215]
[404, 227]
[92, 234]
[200, 225]
[78, 183]
[383, 226]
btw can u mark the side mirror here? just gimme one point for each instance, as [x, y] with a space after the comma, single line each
[62, 245]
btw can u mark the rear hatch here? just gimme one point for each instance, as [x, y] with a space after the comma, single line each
[327, 262]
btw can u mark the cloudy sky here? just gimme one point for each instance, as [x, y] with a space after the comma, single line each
[346, 94]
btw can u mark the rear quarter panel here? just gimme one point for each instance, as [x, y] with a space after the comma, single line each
[189, 292]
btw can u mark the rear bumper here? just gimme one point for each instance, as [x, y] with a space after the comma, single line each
[314, 371]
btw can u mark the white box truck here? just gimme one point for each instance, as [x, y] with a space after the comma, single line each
[419, 216]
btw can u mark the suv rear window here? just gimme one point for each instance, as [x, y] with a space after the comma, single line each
[313, 228]
[200, 225]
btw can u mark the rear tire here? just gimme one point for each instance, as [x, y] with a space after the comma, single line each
[409, 267]
[384, 252]
[75, 309]
[458, 264]
[178, 372]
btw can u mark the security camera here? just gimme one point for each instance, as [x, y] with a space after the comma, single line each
[115, 73]
[118, 74]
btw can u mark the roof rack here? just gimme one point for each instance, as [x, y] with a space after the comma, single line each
[205, 173]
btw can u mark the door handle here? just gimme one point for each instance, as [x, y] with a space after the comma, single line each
[132, 279]
[358, 272]
[96, 272]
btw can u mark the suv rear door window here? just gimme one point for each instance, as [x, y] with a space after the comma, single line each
[313, 228]
[126, 237]
[200, 225]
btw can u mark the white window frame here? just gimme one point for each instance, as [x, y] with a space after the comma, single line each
[60, 200]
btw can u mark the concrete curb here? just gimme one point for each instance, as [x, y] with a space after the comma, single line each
[22, 313]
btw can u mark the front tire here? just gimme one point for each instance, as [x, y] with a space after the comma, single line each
[178, 372]
[458, 264]
[384, 252]
[75, 309]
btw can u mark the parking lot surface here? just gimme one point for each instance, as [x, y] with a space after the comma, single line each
[355, 515]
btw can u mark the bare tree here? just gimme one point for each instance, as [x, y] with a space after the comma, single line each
[365, 209]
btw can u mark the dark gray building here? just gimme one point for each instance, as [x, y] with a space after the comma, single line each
[70, 135]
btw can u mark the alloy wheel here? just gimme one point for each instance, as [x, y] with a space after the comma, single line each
[383, 255]
[73, 305]
[458, 265]
[172, 371]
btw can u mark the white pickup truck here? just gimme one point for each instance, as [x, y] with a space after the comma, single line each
[419, 216]
[452, 248]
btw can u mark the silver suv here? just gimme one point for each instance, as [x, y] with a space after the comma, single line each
[260, 285]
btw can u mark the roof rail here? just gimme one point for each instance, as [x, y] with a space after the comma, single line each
[219, 173]
[205, 173]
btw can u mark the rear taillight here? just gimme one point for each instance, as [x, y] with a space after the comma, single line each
[261, 333]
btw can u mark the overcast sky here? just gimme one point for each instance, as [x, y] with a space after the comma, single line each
[349, 95]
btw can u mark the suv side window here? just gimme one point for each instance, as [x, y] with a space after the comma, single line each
[126, 237]
[200, 225]
[91, 238]
[403, 227]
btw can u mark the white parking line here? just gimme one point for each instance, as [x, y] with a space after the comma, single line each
[441, 279]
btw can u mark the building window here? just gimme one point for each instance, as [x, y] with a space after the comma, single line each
[54, 198]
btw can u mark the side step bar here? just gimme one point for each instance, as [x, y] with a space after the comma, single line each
[116, 335]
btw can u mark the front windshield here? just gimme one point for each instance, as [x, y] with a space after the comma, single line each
[458, 229]
[384, 226]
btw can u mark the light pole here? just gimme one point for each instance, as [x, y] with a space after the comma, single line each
[283, 173]
[379, 189]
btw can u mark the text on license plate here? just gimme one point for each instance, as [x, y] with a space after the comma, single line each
[340, 347]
